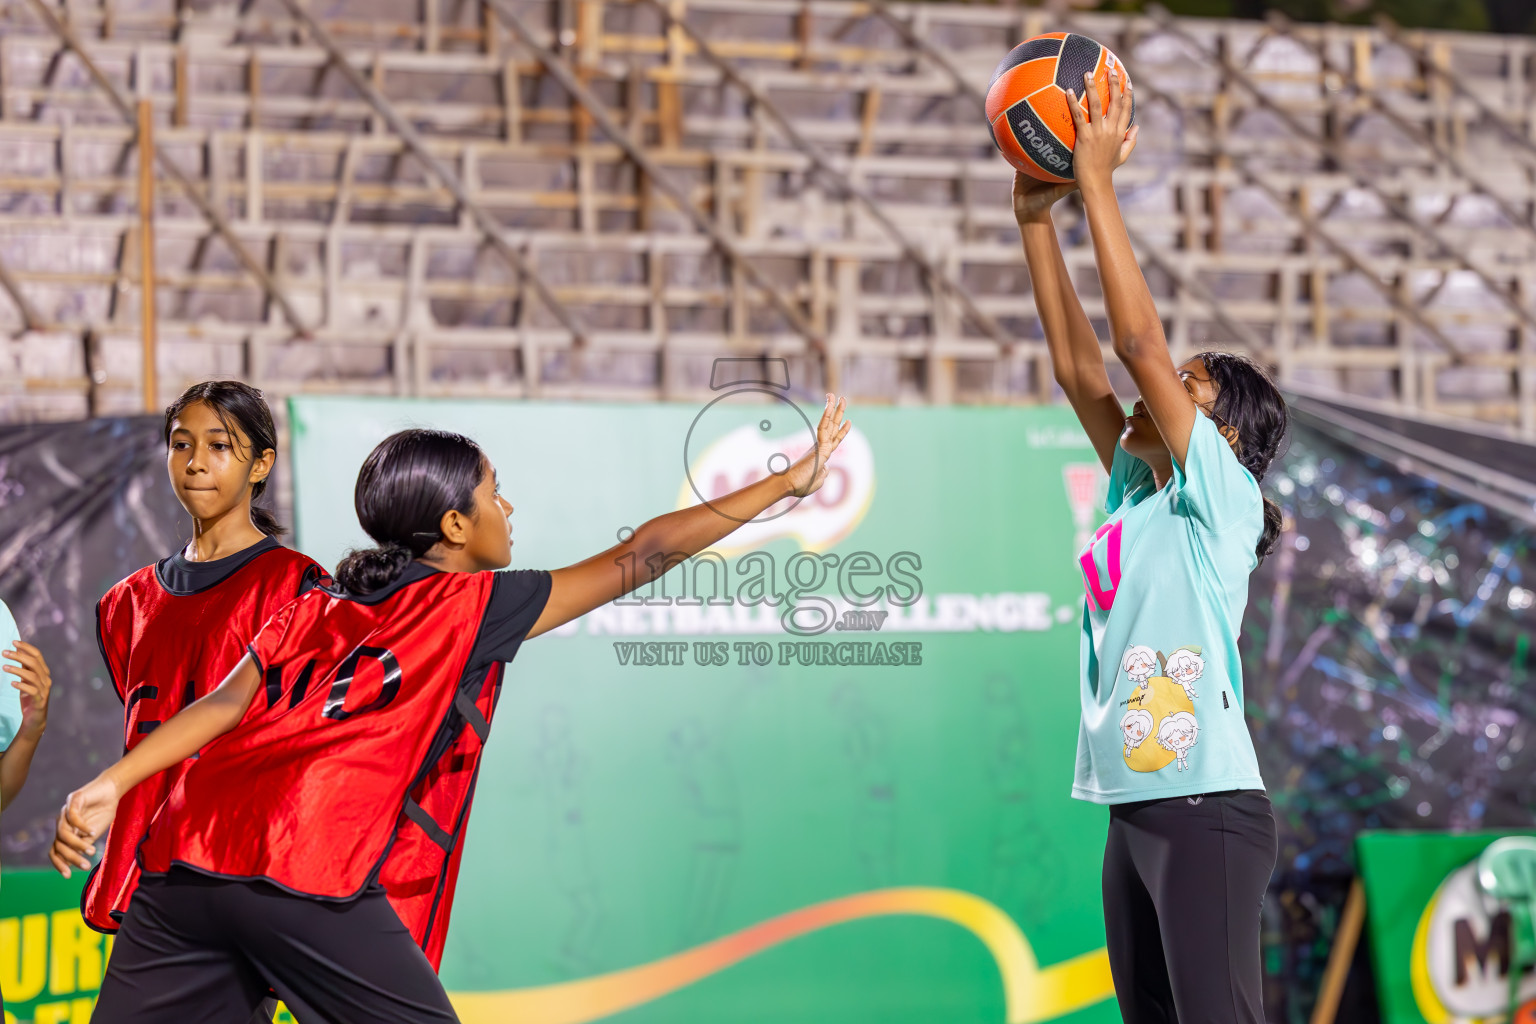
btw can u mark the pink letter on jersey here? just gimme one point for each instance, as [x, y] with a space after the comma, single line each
[1100, 598]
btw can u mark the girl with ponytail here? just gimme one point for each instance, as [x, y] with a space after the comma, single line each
[172, 631]
[313, 845]
[404, 488]
[1162, 740]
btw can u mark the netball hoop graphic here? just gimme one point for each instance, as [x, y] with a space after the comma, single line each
[781, 432]
[1082, 480]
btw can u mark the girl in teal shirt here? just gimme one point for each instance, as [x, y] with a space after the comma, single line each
[1162, 740]
[23, 711]
[23, 706]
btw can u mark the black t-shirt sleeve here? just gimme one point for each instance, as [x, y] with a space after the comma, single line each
[518, 597]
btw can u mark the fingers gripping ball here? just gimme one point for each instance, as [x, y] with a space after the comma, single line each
[1027, 100]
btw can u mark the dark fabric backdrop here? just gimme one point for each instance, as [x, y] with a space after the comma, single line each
[1387, 657]
[81, 506]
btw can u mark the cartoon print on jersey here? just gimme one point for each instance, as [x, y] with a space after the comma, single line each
[1161, 706]
[1136, 727]
[1139, 661]
[1185, 666]
[1178, 733]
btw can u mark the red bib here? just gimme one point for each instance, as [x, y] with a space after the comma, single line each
[166, 644]
[356, 762]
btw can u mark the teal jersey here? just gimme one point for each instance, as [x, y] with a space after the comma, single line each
[1167, 581]
[10, 697]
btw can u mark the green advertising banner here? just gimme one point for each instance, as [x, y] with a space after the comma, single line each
[50, 963]
[1440, 947]
[850, 804]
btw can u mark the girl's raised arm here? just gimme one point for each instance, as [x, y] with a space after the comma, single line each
[1104, 138]
[659, 543]
[1076, 358]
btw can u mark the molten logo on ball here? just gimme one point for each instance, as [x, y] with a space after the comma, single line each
[1045, 149]
[1027, 104]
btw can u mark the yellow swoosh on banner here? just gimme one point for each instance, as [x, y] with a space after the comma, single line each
[1430, 1006]
[1031, 993]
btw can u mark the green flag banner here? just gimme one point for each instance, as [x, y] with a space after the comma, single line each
[820, 773]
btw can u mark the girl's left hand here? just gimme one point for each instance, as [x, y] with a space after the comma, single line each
[1033, 199]
[808, 474]
[35, 683]
[1105, 138]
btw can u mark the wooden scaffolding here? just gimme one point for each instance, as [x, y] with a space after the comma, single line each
[594, 198]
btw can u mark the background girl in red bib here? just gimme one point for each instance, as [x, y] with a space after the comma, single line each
[339, 757]
[172, 631]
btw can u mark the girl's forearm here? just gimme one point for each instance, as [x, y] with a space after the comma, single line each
[15, 763]
[179, 737]
[1069, 336]
[656, 546]
[1076, 357]
[1133, 320]
[688, 531]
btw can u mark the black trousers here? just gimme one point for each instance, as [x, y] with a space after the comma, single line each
[1184, 882]
[199, 950]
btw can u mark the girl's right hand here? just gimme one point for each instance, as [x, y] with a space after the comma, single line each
[1033, 198]
[85, 815]
[1105, 137]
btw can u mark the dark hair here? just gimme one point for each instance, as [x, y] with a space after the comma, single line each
[238, 406]
[406, 486]
[1248, 401]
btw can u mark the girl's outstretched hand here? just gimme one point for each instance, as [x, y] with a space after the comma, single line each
[85, 815]
[1105, 138]
[1033, 198]
[808, 474]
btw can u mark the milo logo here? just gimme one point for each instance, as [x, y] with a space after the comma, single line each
[1461, 958]
[748, 453]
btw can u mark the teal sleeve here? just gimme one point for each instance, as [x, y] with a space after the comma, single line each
[1127, 475]
[10, 697]
[1216, 488]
